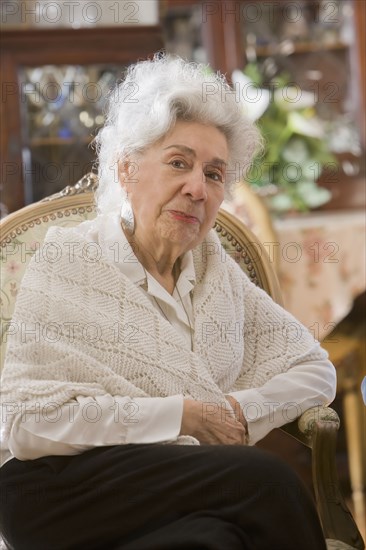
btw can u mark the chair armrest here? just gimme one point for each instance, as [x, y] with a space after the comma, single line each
[303, 428]
[317, 428]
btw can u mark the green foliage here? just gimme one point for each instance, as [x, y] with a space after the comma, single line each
[295, 146]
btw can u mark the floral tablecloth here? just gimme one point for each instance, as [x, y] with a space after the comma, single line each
[322, 266]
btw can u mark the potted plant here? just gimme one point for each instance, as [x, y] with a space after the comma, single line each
[296, 149]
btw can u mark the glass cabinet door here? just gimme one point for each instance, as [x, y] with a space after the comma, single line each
[56, 85]
[314, 43]
[62, 107]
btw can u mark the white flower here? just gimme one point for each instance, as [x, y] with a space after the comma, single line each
[254, 99]
[281, 202]
[313, 195]
[293, 98]
[304, 126]
[296, 151]
[311, 169]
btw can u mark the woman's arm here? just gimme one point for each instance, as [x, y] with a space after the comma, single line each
[87, 422]
[285, 371]
[286, 396]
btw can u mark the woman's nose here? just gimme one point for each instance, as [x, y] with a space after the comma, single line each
[196, 186]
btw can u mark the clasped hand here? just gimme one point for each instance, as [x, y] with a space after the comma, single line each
[215, 424]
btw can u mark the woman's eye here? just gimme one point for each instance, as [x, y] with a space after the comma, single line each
[177, 163]
[215, 176]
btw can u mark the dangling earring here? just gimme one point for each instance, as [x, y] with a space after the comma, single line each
[127, 216]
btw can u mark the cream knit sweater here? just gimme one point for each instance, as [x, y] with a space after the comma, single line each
[85, 329]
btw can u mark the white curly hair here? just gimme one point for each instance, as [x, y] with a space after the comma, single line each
[143, 108]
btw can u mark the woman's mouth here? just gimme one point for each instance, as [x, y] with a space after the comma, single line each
[178, 215]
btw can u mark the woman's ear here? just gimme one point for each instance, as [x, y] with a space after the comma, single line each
[123, 174]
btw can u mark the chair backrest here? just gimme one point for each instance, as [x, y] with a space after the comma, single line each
[22, 232]
[253, 211]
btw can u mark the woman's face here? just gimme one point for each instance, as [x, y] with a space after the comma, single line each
[176, 186]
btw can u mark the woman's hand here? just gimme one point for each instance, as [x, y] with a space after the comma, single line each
[212, 423]
[239, 415]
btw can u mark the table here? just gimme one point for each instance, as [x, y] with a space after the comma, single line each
[322, 266]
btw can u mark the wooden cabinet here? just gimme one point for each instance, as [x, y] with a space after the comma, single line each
[231, 29]
[43, 150]
[52, 83]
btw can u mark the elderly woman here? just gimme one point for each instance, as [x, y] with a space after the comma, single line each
[147, 364]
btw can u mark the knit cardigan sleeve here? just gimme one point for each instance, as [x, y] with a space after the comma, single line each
[274, 341]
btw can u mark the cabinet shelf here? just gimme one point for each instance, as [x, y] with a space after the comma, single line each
[301, 47]
[56, 141]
